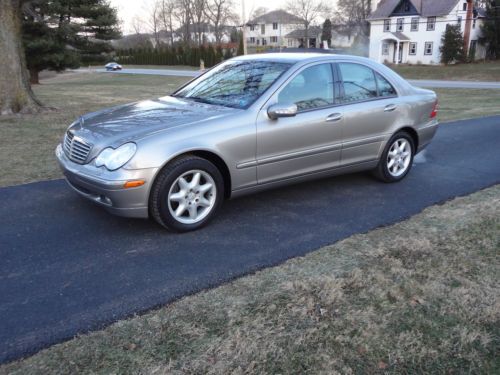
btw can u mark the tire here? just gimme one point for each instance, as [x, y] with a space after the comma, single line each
[401, 162]
[178, 202]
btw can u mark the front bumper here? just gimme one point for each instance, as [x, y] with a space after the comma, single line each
[107, 188]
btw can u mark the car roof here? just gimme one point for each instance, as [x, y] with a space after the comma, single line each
[295, 57]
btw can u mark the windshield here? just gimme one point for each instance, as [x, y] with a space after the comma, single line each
[234, 84]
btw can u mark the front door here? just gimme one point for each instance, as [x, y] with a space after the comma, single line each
[310, 141]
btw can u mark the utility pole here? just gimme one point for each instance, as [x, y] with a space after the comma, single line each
[244, 27]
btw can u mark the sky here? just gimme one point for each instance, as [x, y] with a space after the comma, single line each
[127, 9]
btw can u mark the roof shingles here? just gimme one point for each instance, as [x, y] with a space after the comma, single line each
[426, 8]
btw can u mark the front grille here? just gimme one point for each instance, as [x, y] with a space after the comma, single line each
[76, 149]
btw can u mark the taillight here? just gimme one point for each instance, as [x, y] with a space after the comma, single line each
[434, 110]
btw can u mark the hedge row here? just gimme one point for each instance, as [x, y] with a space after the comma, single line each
[174, 56]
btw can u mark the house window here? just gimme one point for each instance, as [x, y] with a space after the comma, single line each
[274, 39]
[474, 23]
[275, 25]
[262, 29]
[413, 49]
[400, 24]
[385, 49]
[431, 23]
[252, 27]
[465, 7]
[387, 25]
[459, 21]
[264, 41]
[414, 24]
[252, 40]
[258, 42]
[428, 48]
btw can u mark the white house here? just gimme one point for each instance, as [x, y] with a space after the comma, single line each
[270, 29]
[410, 31]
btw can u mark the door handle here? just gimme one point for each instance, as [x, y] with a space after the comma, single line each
[334, 117]
[390, 108]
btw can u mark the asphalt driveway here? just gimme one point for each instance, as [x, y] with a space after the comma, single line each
[69, 267]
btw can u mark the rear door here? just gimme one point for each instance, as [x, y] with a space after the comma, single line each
[310, 141]
[371, 109]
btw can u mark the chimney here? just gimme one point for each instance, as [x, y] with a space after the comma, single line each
[468, 26]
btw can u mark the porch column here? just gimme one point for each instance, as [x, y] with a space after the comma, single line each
[397, 53]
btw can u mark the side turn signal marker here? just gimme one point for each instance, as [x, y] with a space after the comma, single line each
[134, 183]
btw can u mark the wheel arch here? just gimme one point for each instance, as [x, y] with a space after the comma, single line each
[212, 157]
[413, 134]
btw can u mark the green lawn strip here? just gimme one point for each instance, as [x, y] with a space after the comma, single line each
[27, 142]
[483, 71]
[420, 296]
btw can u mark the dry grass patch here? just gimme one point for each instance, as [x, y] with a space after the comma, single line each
[481, 71]
[459, 104]
[421, 296]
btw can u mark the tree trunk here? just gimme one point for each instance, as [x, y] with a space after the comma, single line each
[15, 91]
[34, 80]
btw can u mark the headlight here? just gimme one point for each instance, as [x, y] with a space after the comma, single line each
[115, 158]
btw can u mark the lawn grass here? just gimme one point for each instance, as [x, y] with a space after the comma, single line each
[458, 104]
[27, 142]
[420, 296]
[484, 71]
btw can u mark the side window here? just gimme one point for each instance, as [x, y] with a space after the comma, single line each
[311, 88]
[384, 87]
[359, 82]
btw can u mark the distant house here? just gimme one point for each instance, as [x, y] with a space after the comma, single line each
[270, 29]
[297, 38]
[410, 31]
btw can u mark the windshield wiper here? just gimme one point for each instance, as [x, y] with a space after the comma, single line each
[198, 99]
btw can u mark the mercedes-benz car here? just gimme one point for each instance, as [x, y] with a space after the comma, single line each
[251, 123]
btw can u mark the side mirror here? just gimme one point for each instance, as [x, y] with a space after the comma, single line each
[281, 110]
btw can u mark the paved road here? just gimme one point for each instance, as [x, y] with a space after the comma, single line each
[158, 72]
[456, 84]
[418, 83]
[68, 267]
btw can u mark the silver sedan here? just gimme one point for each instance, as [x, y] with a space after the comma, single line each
[251, 123]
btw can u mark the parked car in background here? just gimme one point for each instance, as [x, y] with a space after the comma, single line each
[113, 66]
[251, 123]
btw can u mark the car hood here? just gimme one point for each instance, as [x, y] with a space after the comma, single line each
[131, 122]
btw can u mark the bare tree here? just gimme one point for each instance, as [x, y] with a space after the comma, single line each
[254, 13]
[219, 13]
[308, 11]
[351, 15]
[198, 17]
[154, 21]
[15, 91]
[167, 17]
[183, 14]
[137, 24]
